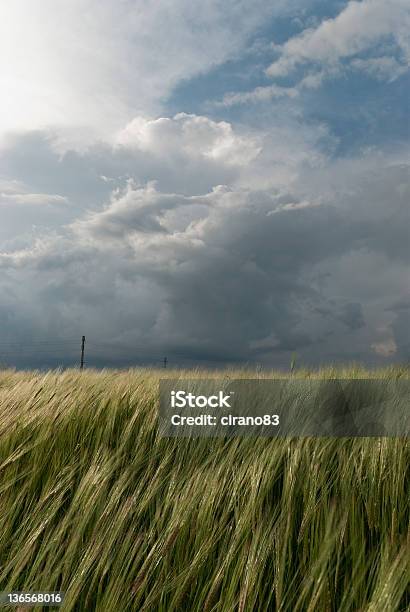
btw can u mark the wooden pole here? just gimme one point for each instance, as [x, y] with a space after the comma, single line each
[82, 353]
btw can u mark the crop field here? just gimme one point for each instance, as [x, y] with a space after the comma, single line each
[95, 504]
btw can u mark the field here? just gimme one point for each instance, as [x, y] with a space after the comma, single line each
[94, 503]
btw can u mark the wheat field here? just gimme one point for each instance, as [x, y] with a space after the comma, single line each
[94, 503]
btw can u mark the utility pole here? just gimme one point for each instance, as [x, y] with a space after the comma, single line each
[165, 362]
[82, 352]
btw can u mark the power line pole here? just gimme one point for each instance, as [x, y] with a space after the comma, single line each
[82, 353]
[165, 362]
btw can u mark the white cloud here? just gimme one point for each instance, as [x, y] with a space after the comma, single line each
[383, 68]
[312, 80]
[134, 210]
[294, 206]
[357, 28]
[259, 94]
[190, 135]
[91, 65]
[31, 199]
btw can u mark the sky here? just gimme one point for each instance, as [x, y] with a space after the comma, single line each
[218, 183]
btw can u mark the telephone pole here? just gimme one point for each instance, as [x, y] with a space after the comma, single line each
[165, 362]
[82, 353]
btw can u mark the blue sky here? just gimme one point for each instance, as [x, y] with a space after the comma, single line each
[217, 182]
[361, 108]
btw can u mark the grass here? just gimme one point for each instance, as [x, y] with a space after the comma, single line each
[94, 503]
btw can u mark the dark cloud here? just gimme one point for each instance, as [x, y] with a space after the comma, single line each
[234, 274]
[352, 315]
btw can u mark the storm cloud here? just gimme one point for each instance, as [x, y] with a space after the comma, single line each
[230, 274]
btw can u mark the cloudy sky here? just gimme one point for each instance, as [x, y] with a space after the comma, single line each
[216, 182]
